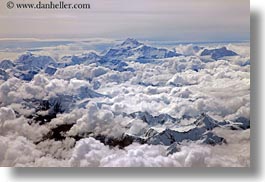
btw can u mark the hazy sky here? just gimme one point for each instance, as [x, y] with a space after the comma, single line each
[176, 20]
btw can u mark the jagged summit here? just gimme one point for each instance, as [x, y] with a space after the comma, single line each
[6, 64]
[206, 121]
[30, 61]
[130, 42]
[131, 49]
[218, 53]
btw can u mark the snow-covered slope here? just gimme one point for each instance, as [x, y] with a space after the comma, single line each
[131, 49]
[6, 64]
[33, 62]
[218, 53]
[132, 102]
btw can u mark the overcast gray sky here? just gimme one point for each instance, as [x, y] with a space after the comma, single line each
[176, 20]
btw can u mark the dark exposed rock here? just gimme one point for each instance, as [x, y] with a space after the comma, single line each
[51, 106]
[3, 75]
[136, 51]
[244, 123]
[6, 64]
[200, 130]
[50, 70]
[173, 148]
[120, 142]
[33, 62]
[168, 137]
[59, 133]
[115, 64]
[206, 121]
[218, 53]
[153, 120]
[27, 75]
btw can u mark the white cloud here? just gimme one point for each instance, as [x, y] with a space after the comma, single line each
[90, 153]
[176, 86]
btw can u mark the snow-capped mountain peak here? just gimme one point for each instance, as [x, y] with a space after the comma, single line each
[206, 121]
[131, 43]
[218, 53]
[6, 64]
[131, 49]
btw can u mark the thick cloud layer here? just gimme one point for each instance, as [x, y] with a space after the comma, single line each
[90, 152]
[67, 118]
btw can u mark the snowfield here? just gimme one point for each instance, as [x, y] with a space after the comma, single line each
[129, 104]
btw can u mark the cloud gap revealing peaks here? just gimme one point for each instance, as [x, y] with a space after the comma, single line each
[124, 83]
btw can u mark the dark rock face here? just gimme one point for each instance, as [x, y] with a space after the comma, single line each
[59, 133]
[200, 130]
[173, 148]
[138, 51]
[153, 120]
[168, 137]
[33, 62]
[243, 123]
[218, 53]
[50, 70]
[53, 107]
[118, 59]
[81, 59]
[26, 75]
[6, 64]
[205, 121]
[58, 104]
[115, 64]
[3, 75]
[120, 142]
[131, 43]
[28, 65]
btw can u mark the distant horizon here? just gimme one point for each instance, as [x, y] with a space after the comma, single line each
[116, 39]
[185, 21]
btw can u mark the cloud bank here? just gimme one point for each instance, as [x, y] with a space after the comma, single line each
[99, 111]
